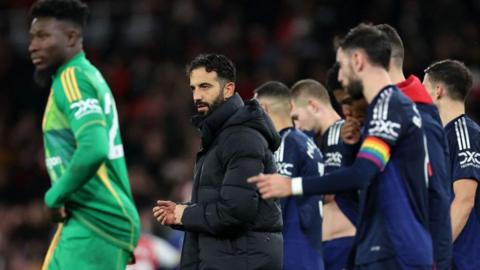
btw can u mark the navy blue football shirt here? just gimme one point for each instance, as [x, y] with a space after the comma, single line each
[337, 154]
[302, 222]
[463, 137]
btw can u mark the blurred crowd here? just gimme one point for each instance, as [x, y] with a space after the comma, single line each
[142, 47]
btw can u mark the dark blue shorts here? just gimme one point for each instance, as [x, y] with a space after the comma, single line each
[336, 252]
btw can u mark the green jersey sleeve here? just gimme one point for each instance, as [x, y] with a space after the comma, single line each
[91, 152]
[78, 99]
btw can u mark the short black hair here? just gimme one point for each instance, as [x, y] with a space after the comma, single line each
[74, 11]
[273, 89]
[214, 62]
[398, 51]
[454, 74]
[332, 82]
[370, 39]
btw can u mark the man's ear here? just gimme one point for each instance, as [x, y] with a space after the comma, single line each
[358, 60]
[228, 90]
[313, 105]
[74, 36]
[440, 91]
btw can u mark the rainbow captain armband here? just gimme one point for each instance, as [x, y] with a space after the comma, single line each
[375, 150]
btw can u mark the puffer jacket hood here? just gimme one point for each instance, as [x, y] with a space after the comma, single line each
[234, 112]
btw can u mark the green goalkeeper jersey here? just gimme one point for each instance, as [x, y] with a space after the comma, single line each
[80, 99]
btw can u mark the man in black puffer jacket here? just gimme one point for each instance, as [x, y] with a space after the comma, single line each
[227, 224]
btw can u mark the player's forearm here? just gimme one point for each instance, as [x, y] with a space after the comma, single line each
[92, 150]
[354, 177]
[459, 212]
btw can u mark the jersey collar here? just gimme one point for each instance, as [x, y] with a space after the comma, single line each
[284, 130]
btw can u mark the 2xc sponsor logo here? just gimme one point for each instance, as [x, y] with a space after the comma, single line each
[284, 168]
[85, 107]
[384, 128]
[333, 159]
[469, 158]
[53, 161]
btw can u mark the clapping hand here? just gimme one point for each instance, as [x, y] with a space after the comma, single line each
[168, 213]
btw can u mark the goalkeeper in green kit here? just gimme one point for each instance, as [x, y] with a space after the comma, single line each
[90, 195]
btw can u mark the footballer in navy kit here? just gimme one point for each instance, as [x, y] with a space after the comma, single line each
[297, 156]
[313, 110]
[439, 188]
[448, 82]
[463, 134]
[390, 168]
[338, 154]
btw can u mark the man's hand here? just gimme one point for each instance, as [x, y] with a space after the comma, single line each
[272, 185]
[168, 213]
[56, 215]
[350, 131]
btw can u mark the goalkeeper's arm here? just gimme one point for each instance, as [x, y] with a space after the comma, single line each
[92, 150]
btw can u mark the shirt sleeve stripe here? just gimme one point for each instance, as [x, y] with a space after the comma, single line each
[65, 87]
[74, 83]
[70, 85]
[467, 136]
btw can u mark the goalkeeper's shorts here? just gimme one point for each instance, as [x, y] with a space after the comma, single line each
[76, 247]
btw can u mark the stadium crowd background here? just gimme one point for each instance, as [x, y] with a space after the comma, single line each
[142, 46]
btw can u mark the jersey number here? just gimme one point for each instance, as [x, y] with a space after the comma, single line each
[114, 150]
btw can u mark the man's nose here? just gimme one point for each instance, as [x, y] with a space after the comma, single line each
[196, 95]
[33, 46]
[340, 77]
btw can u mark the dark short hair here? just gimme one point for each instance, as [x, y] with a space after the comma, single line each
[454, 74]
[370, 39]
[273, 89]
[73, 11]
[398, 51]
[219, 63]
[310, 88]
[332, 82]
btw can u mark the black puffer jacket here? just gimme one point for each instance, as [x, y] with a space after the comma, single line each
[228, 225]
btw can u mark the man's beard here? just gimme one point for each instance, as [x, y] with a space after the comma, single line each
[43, 77]
[355, 89]
[211, 106]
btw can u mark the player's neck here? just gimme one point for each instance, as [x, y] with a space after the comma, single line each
[396, 74]
[71, 53]
[327, 120]
[281, 123]
[451, 110]
[374, 81]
